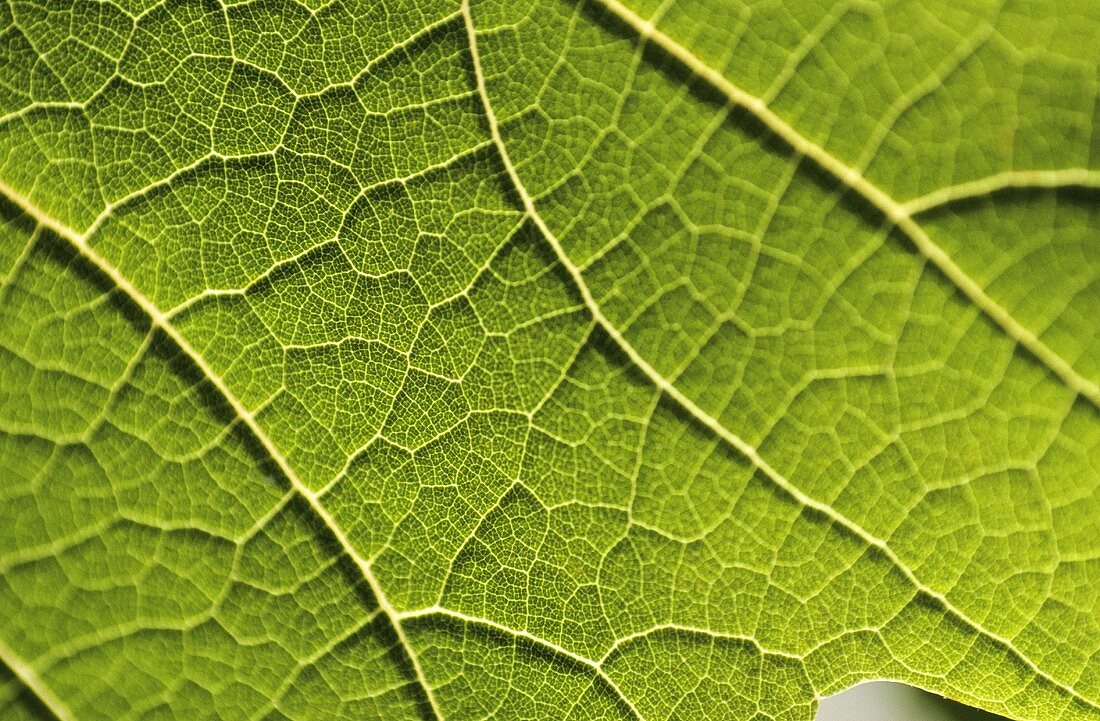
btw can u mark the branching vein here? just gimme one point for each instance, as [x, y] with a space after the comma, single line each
[892, 209]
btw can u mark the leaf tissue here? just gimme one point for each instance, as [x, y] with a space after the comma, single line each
[547, 359]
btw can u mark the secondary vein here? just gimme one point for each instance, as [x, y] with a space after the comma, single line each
[1012, 179]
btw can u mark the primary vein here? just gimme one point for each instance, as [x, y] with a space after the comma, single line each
[33, 682]
[79, 242]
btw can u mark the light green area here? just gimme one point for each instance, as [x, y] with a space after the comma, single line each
[549, 359]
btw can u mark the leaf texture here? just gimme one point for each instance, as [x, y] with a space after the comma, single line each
[561, 359]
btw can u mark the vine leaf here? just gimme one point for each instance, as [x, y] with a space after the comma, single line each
[566, 359]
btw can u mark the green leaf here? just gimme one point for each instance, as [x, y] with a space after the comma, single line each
[586, 359]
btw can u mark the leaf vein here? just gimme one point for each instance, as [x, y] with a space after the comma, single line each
[80, 243]
[893, 210]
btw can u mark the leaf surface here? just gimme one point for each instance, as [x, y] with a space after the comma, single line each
[596, 360]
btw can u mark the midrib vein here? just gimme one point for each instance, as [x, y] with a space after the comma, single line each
[79, 242]
[692, 408]
[34, 683]
[899, 214]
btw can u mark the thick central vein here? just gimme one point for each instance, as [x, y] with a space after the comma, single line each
[31, 680]
[899, 214]
[700, 415]
[79, 242]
